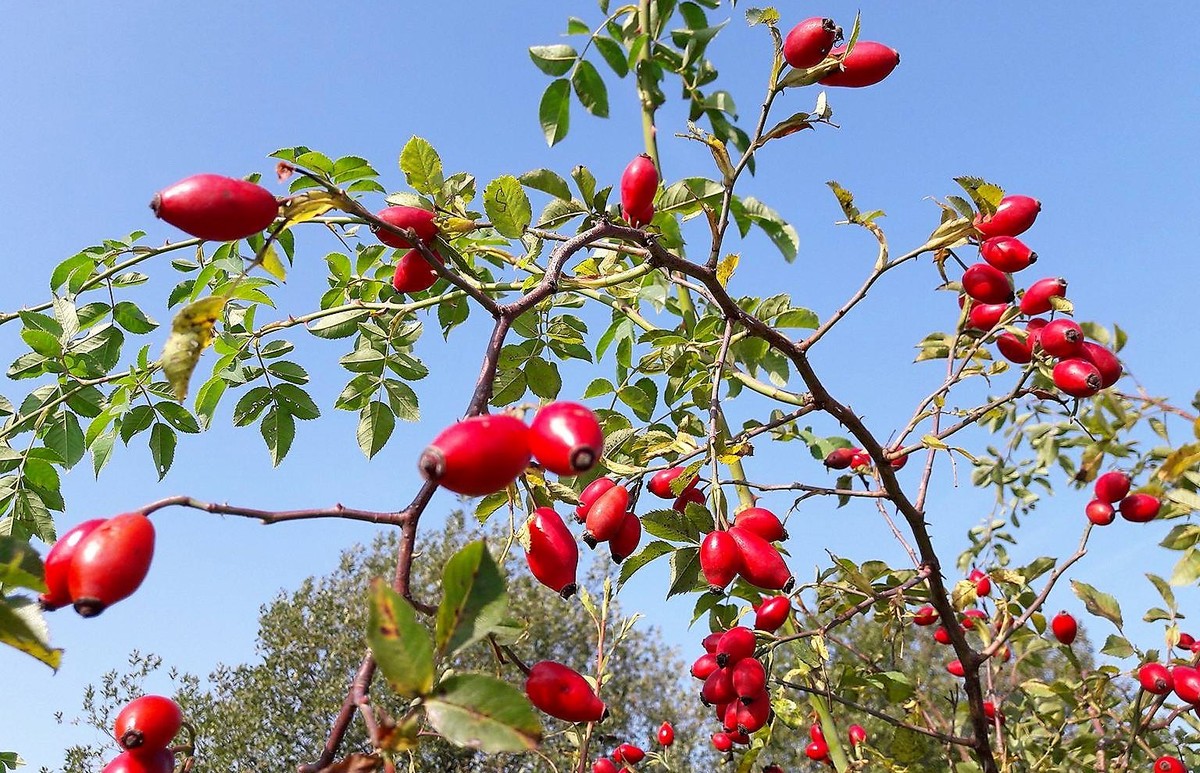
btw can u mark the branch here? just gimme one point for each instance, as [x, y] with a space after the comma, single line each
[278, 516]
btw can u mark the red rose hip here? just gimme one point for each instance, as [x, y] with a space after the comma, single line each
[810, 41]
[1064, 628]
[986, 284]
[148, 722]
[552, 555]
[58, 564]
[1013, 217]
[420, 221]
[639, 183]
[1007, 253]
[660, 483]
[1112, 486]
[1036, 299]
[566, 438]
[1078, 378]
[413, 273]
[110, 563]
[479, 455]
[868, 64]
[563, 693]
[216, 208]
[1140, 508]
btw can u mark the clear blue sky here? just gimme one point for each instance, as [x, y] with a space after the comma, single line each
[1094, 111]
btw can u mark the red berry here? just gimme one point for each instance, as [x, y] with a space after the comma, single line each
[720, 559]
[1033, 330]
[666, 734]
[983, 583]
[718, 688]
[479, 455]
[563, 693]
[1014, 348]
[690, 495]
[627, 539]
[970, 616]
[1100, 513]
[58, 565]
[639, 183]
[660, 483]
[1013, 217]
[1064, 628]
[985, 316]
[604, 765]
[761, 563]
[1078, 378]
[955, 667]
[590, 494]
[815, 733]
[857, 734]
[1036, 299]
[989, 711]
[839, 458]
[986, 284]
[1105, 361]
[941, 635]
[1007, 253]
[860, 459]
[772, 613]
[1156, 679]
[1061, 338]
[552, 554]
[418, 220]
[722, 742]
[704, 666]
[149, 722]
[158, 761]
[1185, 642]
[710, 642]
[1112, 486]
[110, 562]
[727, 715]
[1138, 508]
[810, 41]
[413, 273]
[753, 714]
[1186, 684]
[1169, 764]
[762, 522]
[735, 644]
[216, 208]
[818, 751]
[866, 65]
[566, 438]
[926, 615]
[606, 516]
[749, 679]
[629, 753]
[898, 462]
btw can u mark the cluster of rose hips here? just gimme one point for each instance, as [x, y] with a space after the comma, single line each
[144, 730]
[1112, 496]
[810, 42]
[627, 755]
[1083, 368]
[818, 748]
[1184, 681]
[98, 563]
[854, 458]
[746, 550]
[735, 682]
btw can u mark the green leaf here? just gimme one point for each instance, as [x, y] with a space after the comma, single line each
[685, 571]
[553, 60]
[401, 645]
[341, 324]
[403, 400]
[485, 713]
[781, 234]
[422, 166]
[65, 437]
[1118, 647]
[247, 409]
[590, 89]
[507, 206]
[1098, 603]
[554, 111]
[670, 525]
[297, 402]
[543, 378]
[375, 425]
[129, 316]
[42, 342]
[1187, 570]
[20, 566]
[177, 416]
[278, 430]
[475, 599]
[162, 447]
[23, 628]
[546, 181]
[613, 54]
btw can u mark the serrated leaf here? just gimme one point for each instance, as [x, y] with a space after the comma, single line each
[23, 628]
[1187, 569]
[341, 324]
[543, 378]
[272, 264]
[613, 55]
[475, 600]
[507, 206]
[1098, 603]
[547, 181]
[191, 333]
[1178, 462]
[590, 89]
[685, 571]
[375, 425]
[278, 430]
[554, 60]
[485, 713]
[670, 525]
[422, 166]
[1118, 647]
[401, 645]
[631, 565]
[129, 316]
[554, 111]
[162, 448]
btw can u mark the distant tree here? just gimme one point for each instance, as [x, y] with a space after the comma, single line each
[271, 714]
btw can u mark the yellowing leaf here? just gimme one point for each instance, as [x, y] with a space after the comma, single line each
[726, 268]
[1180, 461]
[458, 225]
[191, 333]
[305, 206]
[273, 265]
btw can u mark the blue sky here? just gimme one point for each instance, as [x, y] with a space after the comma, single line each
[1093, 112]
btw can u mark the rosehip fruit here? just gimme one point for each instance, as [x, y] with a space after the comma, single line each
[158, 761]
[1078, 378]
[857, 735]
[148, 722]
[590, 494]
[818, 751]
[1036, 299]
[971, 616]
[760, 521]
[563, 693]
[666, 734]
[860, 459]
[736, 643]
[815, 733]
[839, 458]
[749, 679]
[604, 765]
[1140, 508]
[926, 615]
[552, 554]
[761, 564]
[986, 284]
[1064, 628]
[1015, 349]
[722, 742]
[983, 583]
[1007, 253]
[1185, 642]
[772, 613]
[718, 688]
[566, 438]
[810, 41]
[606, 516]
[710, 642]
[989, 711]
[704, 666]
[1156, 679]
[691, 495]
[216, 208]
[1061, 338]
[629, 753]
[413, 273]
[1112, 486]
[985, 316]
[955, 667]
[1169, 764]
[627, 539]
[868, 64]
[1013, 217]
[58, 564]
[941, 635]
[1105, 361]
[660, 483]
[639, 183]
[1186, 684]
[1100, 513]
[110, 562]
[753, 714]
[479, 455]
[720, 559]
[418, 220]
